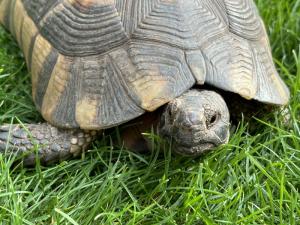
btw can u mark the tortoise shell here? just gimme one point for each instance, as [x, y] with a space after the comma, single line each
[99, 63]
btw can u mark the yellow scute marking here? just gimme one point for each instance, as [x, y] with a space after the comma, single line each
[154, 94]
[56, 87]
[280, 88]
[247, 93]
[86, 112]
[41, 50]
[29, 31]
[19, 14]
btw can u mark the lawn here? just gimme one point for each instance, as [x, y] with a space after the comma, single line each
[255, 179]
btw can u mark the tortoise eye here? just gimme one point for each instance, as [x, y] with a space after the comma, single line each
[212, 120]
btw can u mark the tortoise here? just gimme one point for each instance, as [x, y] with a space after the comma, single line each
[97, 64]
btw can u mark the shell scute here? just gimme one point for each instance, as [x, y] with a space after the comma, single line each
[99, 63]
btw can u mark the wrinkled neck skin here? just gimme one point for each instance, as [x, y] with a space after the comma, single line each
[195, 123]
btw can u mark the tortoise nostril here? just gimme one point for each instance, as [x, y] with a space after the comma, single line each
[193, 118]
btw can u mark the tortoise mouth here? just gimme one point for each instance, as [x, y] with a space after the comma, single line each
[195, 150]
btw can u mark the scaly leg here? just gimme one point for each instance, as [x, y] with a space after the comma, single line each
[52, 144]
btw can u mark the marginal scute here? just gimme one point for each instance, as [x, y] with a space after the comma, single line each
[40, 52]
[196, 62]
[271, 89]
[28, 38]
[97, 95]
[55, 91]
[19, 14]
[86, 113]
[231, 65]
[245, 22]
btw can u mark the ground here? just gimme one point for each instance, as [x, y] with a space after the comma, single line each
[255, 179]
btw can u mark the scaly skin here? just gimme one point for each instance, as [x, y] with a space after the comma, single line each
[53, 144]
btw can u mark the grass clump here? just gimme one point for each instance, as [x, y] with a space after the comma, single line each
[255, 179]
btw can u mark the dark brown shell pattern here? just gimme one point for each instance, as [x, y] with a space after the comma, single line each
[99, 63]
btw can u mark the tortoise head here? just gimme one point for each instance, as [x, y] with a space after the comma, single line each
[196, 122]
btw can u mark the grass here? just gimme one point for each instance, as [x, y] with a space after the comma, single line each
[255, 179]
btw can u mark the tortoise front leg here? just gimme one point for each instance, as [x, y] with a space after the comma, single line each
[52, 144]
